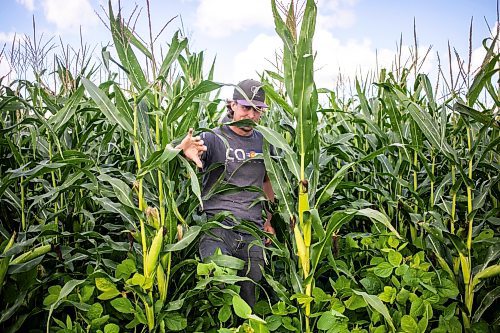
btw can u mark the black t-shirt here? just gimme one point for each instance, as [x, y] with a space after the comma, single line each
[242, 164]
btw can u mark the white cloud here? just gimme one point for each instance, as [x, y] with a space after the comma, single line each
[6, 37]
[5, 70]
[351, 58]
[255, 58]
[479, 53]
[222, 18]
[336, 13]
[29, 4]
[69, 15]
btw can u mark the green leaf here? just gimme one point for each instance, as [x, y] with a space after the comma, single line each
[107, 287]
[383, 269]
[273, 322]
[355, 302]
[157, 159]
[65, 291]
[278, 141]
[470, 112]
[281, 187]
[258, 324]
[329, 319]
[408, 324]
[177, 45]
[488, 272]
[114, 115]
[122, 190]
[193, 179]
[422, 324]
[188, 238]
[241, 308]
[372, 284]
[123, 305]
[486, 302]
[111, 328]
[377, 216]
[417, 308]
[395, 258]
[376, 304]
[104, 284]
[137, 280]
[50, 299]
[122, 38]
[62, 117]
[318, 250]
[447, 289]
[95, 311]
[202, 88]
[108, 295]
[223, 260]
[389, 294]
[125, 269]
[224, 313]
[320, 296]
[98, 322]
[86, 293]
[332, 185]
[175, 322]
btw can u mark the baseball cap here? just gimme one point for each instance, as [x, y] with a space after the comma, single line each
[250, 93]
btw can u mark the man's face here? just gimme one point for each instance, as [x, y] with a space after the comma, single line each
[242, 112]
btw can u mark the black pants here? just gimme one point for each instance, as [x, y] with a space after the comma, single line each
[237, 245]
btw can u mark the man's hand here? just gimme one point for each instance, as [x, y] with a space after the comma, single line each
[193, 148]
[269, 229]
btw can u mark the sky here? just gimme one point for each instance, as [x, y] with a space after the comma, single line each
[352, 36]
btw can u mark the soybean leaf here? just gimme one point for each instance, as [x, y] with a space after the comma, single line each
[123, 305]
[241, 308]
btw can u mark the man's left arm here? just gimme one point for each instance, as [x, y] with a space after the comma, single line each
[268, 191]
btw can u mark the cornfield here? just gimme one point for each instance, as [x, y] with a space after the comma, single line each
[386, 211]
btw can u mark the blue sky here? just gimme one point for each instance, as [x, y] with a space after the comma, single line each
[241, 32]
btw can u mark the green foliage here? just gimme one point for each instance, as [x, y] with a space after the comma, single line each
[394, 192]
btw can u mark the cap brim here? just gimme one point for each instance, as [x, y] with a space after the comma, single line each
[244, 102]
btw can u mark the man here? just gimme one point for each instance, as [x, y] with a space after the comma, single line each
[243, 166]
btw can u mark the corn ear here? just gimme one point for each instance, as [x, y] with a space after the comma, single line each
[35, 253]
[301, 247]
[4, 262]
[307, 232]
[486, 273]
[162, 326]
[303, 205]
[10, 243]
[154, 253]
[153, 217]
[464, 263]
[150, 316]
[162, 282]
